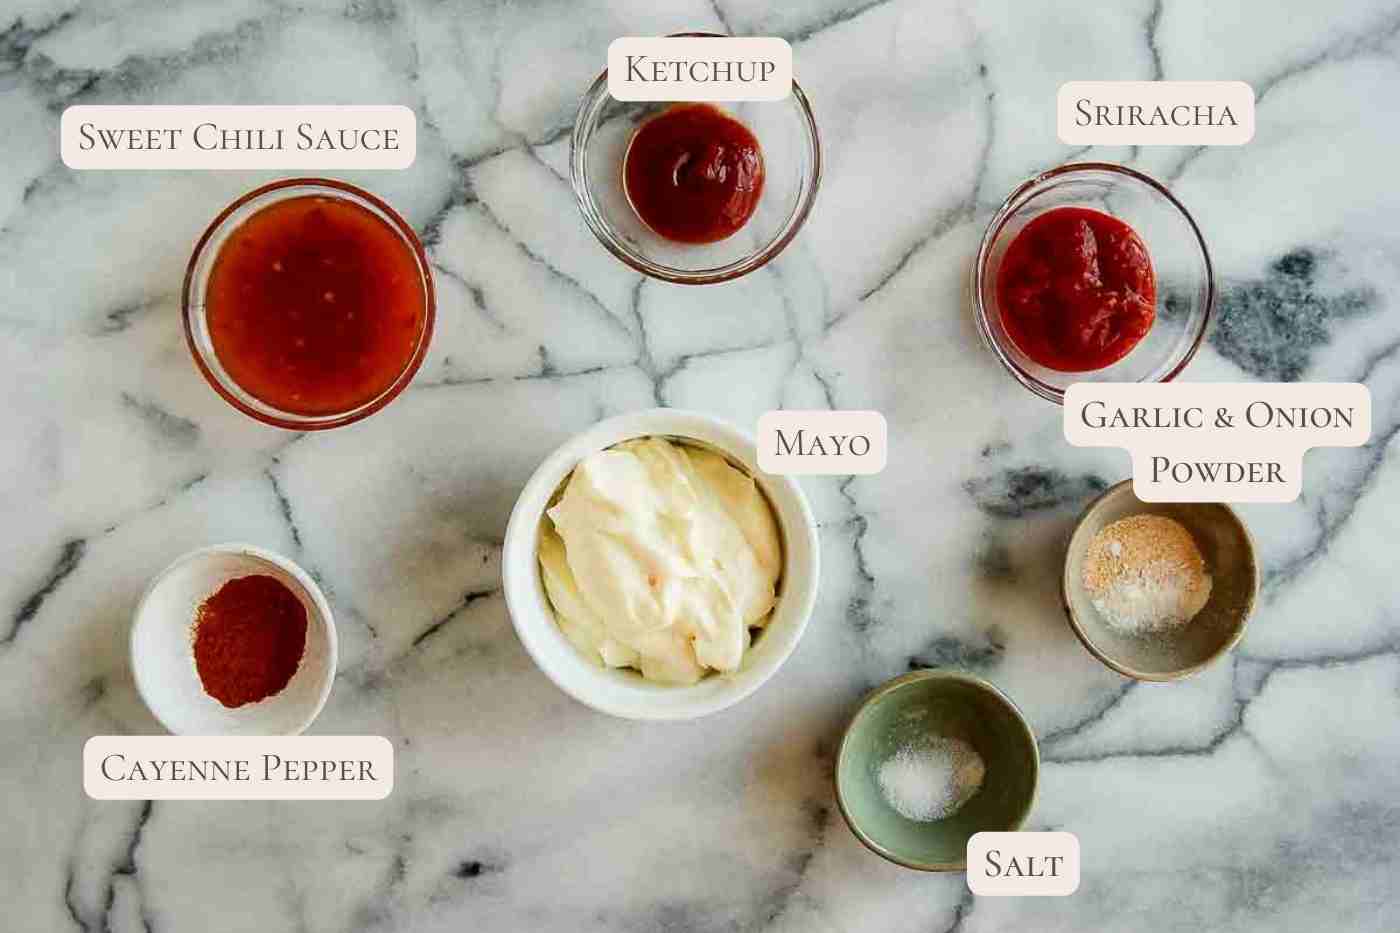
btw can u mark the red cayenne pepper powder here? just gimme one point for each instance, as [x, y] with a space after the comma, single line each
[248, 639]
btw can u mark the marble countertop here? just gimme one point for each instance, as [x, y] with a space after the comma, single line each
[1262, 795]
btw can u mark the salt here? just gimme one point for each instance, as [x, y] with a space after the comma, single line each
[931, 779]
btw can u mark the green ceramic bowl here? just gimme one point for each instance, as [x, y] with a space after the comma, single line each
[922, 705]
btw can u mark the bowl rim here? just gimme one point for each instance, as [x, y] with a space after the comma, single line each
[603, 231]
[1127, 670]
[895, 683]
[290, 420]
[993, 232]
[304, 579]
[539, 632]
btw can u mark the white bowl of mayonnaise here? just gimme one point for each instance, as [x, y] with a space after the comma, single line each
[653, 572]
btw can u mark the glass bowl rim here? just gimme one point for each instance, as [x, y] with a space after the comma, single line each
[290, 420]
[993, 233]
[603, 230]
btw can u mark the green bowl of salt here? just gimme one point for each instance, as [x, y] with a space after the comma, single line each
[928, 760]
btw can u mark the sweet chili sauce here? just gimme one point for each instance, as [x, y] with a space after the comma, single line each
[693, 173]
[1076, 289]
[315, 305]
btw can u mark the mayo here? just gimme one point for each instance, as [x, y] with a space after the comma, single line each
[661, 557]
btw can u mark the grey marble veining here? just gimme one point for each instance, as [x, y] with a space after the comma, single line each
[1260, 795]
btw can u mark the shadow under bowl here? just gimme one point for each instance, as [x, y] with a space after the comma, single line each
[922, 705]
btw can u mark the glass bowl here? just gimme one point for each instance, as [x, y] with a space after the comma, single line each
[1185, 279]
[792, 162]
[201, 266]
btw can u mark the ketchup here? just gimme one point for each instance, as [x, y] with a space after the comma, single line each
[1076, 289]
[315, 305]
[693, 173]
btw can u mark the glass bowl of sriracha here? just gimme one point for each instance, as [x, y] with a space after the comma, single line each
[308, 304]
[694, 193]
[1092, 272]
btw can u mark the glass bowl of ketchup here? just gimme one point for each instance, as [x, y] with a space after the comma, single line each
[308, 304]
[1092, 272]
[694, 193]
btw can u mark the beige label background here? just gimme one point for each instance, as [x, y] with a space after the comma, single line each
[268, 118]
[373, 748]
[823, 425]
[1149, 94]
[700, 49]
[1023, 847]
[1239, 444]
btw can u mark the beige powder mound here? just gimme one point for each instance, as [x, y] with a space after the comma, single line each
[1145, 574]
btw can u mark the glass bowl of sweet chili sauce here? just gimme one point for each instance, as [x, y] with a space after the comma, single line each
[1092, 272]
[694, 193]
[308, 304]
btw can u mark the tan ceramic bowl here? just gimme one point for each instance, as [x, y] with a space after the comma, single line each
[1229, 553]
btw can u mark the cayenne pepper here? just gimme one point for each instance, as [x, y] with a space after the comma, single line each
[248, 639]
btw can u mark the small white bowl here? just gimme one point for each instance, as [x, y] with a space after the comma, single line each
[162, 647]
[622, 692]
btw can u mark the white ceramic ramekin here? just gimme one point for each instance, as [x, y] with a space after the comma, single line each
[162, 646]
[624, 692]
